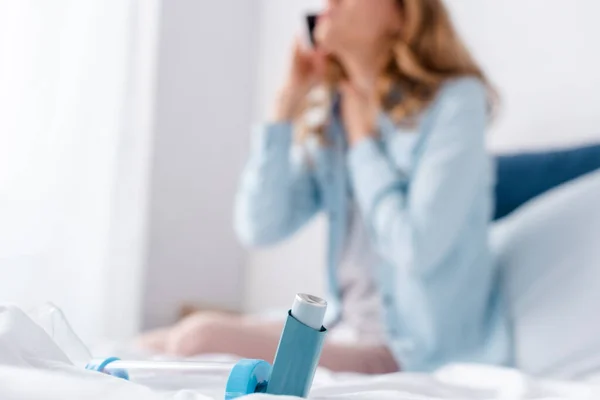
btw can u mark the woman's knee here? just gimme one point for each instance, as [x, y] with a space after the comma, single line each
[199, 334]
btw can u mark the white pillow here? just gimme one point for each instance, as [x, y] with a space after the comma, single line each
[549, 254]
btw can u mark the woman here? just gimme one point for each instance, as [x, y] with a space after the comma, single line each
[400, 169]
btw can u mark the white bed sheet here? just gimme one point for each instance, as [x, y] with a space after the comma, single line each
[33, 367]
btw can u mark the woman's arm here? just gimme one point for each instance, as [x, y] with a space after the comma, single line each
[278, 193]
[419, 226]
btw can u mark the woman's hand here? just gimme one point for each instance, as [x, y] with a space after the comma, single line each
[306, 70]
[360, 108]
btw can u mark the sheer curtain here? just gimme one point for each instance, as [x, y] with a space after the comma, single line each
[76, 89]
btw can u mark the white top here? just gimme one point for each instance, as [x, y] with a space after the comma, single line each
[361, 301]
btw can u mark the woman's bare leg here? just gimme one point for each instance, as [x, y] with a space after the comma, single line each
[363, 359]
[213, 333]
[218, 333]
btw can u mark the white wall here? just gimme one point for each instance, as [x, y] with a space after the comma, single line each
[542, 54]
[75, 101]
[301, 259]
[203, 113]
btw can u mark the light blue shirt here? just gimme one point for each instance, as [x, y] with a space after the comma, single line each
[426, 195]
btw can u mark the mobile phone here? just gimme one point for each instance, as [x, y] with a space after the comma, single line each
[310, 25]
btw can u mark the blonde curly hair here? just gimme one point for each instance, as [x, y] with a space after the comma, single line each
[427, 53]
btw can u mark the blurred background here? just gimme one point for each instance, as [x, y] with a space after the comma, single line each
[124, 125]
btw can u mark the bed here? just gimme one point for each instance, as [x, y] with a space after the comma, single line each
[34, 367]
[550, 260]
[558, 338]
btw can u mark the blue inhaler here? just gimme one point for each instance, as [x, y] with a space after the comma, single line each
[292, 372]
[299, 348]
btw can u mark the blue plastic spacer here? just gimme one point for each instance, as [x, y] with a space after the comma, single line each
[119, 373]
[248, 377]
[103, 364]
[297, 359]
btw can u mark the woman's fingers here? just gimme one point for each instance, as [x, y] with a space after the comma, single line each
[348, 90]
[319, 60]
[308, 63]
[298, 49]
